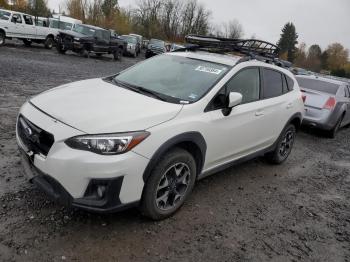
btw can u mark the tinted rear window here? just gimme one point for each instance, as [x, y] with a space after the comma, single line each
[318, 85]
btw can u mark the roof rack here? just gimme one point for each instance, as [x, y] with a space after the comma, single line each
[252, 48]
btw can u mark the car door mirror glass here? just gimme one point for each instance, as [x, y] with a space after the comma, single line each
[234, 99]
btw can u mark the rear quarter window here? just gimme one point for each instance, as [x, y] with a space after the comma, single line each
[290, 83]
[318, 85]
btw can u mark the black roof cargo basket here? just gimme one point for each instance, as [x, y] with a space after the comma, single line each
[252, 48]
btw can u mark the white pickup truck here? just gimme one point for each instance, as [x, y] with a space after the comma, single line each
[25, 27]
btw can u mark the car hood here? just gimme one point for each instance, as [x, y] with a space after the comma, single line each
[74, 34]
[96, 106]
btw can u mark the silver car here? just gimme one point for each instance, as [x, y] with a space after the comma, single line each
[327, 103]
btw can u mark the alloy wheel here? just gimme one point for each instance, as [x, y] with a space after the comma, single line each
[286, 144]
[173, 186]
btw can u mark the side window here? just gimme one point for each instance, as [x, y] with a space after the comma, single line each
[98, 34]
[273, 85]
[28, 19]
[246, 82]
[290, 83]
[347, 91]
[16, 18]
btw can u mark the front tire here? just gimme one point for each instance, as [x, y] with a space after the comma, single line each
[117, 54]
[169, 184]
[284, 146]
[84, 53]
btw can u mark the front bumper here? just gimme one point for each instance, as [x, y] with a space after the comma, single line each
[72, 177]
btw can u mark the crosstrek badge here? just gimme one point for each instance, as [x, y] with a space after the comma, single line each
[208, 70]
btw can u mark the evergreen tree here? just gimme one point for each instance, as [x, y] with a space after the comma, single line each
[38, 8]
[288, 41]
[314, 58]
[109, 7]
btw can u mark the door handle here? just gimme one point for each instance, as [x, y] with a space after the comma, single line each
[259, 113]
[290, 105]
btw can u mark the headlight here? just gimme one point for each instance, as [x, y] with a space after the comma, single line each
[107, 144]
[76, 38]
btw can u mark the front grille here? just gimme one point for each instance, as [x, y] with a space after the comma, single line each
[33, 137]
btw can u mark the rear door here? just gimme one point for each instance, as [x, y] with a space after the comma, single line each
[278, 103]
[29, 27]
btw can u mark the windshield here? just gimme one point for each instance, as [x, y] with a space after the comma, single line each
[60, 25]
[157, 42]
[4, 15]
[182, 78]
[129, 39]
[318, 85]
[84, 30]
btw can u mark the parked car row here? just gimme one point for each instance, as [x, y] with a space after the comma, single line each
[67, 34]
[30, 29]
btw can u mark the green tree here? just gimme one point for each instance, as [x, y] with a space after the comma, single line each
[109, 7]
[288, 41]
[38, 8]
[313, 61]
[337, 57]
[3, 4]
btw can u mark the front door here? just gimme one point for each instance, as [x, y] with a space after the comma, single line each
[244, 130]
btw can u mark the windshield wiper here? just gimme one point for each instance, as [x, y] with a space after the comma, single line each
[140, 90]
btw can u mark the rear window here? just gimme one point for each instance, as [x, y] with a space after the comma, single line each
[318, 85]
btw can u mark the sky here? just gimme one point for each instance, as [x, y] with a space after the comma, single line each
[317, 21]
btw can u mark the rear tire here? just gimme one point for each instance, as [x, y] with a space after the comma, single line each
[49, 42]
[169, 185]
[27, 42]
[284, 146]
[333, 132]
[2, 38]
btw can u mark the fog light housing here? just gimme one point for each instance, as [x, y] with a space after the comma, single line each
[101, 190]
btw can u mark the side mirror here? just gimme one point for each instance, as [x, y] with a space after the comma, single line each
[234, 99]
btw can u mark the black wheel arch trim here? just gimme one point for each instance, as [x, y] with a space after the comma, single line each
[190, 137]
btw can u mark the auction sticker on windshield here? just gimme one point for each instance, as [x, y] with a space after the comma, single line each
[210, 70]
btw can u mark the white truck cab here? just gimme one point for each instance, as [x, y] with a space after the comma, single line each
[30, 29]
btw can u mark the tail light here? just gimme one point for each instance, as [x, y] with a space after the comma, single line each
[330, 103]
[303, 97]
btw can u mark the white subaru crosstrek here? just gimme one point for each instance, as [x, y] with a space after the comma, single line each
[144, 136]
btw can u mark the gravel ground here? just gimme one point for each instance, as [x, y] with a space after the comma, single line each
[298, 211]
